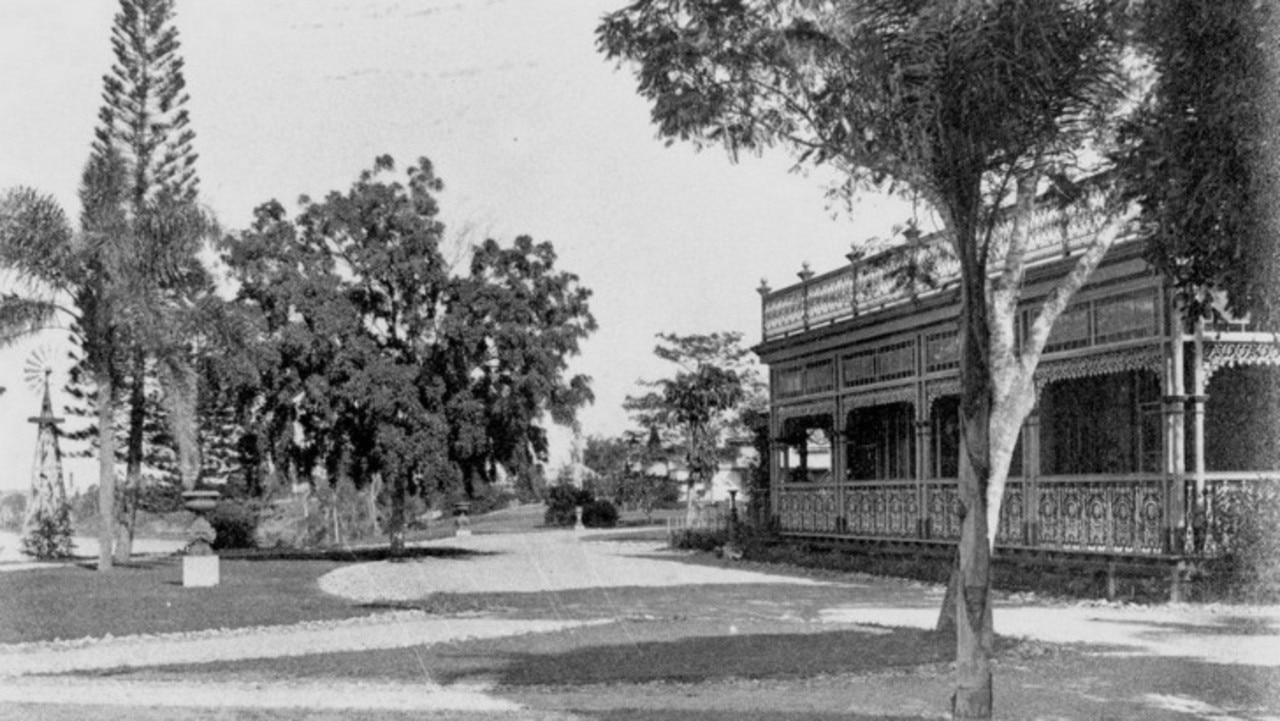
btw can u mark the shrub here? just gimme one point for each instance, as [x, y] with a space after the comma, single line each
[697, 539]
[1250, 570]
[599, 514]
[235, 523]
[491, 499]
[562, 500]
[49, 535]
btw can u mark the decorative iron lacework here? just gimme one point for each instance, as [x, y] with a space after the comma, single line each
[808, 509]
[1111, 515]
[830, 297]
[942, 510]
[1228, 503]
[784, 312]
[1116, 361]
[875, 282]
[1118, 515]
[886, 511]
[899, 394]
[801, 410]
[1219, 355]
[1012, 528]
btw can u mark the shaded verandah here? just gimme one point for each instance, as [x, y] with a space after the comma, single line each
[1127, 452]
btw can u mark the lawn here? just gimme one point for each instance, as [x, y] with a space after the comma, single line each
[75, 601]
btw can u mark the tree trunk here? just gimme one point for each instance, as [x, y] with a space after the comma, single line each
[371, 492]
[947, 616]
[395, 528]
[106, 471]
[974, 634]
[133, 460]
[690, 513]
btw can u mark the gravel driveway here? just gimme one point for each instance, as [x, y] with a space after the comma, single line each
[548, 561]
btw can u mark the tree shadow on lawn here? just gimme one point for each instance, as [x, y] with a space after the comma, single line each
[351, 555]
[701, 659]
[727, 603]
[627, 714]
[1222, 626]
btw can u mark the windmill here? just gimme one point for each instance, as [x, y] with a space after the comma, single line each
[46, 532]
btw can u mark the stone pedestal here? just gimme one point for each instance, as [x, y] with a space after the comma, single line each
[577, 523]
[200, 571]
[462, 520]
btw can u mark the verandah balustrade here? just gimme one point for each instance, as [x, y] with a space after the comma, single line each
[1124, 514]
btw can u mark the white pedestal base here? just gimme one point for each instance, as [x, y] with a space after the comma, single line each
[200, 571]
[463, 533]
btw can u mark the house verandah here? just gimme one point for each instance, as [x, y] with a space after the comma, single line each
[1147, 441]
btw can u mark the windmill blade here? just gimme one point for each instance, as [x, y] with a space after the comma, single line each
[42, 362]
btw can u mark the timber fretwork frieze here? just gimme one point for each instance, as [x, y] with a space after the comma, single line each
[884, 396]
[1123, 360]
[1222, 354]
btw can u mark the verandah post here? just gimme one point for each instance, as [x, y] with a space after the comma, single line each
[1175, 521]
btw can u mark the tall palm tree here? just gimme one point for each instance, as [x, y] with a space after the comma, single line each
[120, 287]
[60, 279]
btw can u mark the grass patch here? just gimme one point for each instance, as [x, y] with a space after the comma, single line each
[75, 601]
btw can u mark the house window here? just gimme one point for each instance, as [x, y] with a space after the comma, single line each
[944, 418]
[1103, 424]
[1070, 331]
[942, 351]
[881, 443]
[804, 452]
[789, 382]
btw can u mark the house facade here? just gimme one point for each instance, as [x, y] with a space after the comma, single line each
[1147, 439]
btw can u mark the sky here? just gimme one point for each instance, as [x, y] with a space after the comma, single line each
[533, 131]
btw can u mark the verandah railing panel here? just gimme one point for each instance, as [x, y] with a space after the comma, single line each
[882, 509]
[1230, 500]
[1118, 514]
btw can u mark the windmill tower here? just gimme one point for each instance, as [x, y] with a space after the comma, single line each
[46, 532]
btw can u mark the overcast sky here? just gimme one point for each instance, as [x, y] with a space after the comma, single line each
[532, 130]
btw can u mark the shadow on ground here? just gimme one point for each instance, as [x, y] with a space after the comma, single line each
[734, 715]
[351, 555]
[701, 659]
[1222, 626]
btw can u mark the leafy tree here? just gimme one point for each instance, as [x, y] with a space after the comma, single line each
[349, 296]
[395, 371]
[508, 329]
[971, 107]
[610, 459]
[698, 402]
[1201, 155]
